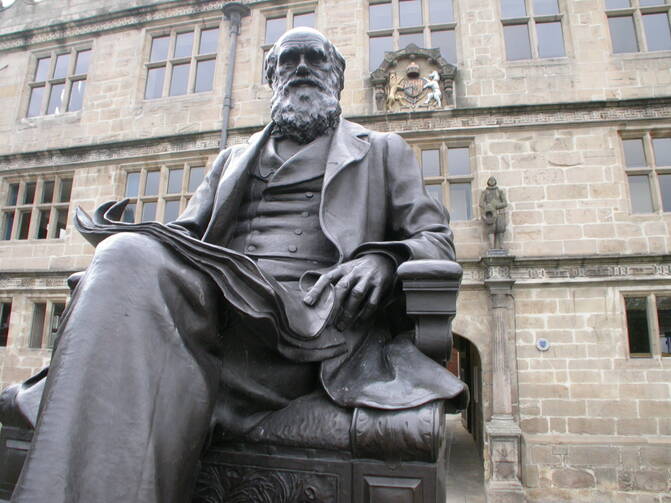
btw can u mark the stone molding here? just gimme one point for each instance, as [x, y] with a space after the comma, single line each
[38, 280]
[89, 26]
[418, 123]
[569, 269]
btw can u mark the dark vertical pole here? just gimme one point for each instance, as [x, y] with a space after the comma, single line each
[234, 12]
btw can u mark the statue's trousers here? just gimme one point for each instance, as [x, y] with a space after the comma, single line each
[134, 376]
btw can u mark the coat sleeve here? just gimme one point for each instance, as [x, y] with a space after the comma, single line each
[418, 225]
[195, 218]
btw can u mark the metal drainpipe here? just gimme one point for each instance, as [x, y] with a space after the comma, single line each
[234, 12]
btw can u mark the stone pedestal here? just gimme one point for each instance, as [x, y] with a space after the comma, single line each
[503, 431]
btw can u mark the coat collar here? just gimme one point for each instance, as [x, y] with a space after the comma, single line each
[347, 147]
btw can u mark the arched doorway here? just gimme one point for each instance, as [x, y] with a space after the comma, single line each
[466, 364]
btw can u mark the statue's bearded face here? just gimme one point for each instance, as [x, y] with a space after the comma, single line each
[305, 87]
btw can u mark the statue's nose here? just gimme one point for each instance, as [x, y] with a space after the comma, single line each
[302, 68]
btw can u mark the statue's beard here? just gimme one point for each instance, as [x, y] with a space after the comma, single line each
[304, 112]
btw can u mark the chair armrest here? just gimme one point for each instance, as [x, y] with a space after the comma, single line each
[431, 288]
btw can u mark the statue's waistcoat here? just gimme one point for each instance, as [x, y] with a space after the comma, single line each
[278, 219]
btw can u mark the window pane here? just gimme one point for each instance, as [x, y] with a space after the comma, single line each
[637, 325]
[664, 320]
[377, 47]
[57, 309]
[175, 180]
[662, 149]
[66, 190]
[183, 44]
[379, 16]
[180, 79]
[517, 41]
[13, 194]
[132, 184]
[458, 161]
[275, 28]
[171, 211]
[622, 34]
[410, 13]
[47, 192]
[7, 225]
[151, 184]
[617, 4]
[648, 3]
[43, 224]
[634, 156]
[82, 63]
[208, 41]
[204, 75]
[441, 11]
[56, 99]
[665, 189]
[29, 193]
[435, 191]
[154, 83]
[61, 222]
[657, 32]
[513, 8]
[148, 212]
[129, 214]
[42, 69]
[159, 49]
[550, 40]
[76, 95]
[410, 38]
[24, 224]
[5, 312]
[544, 7]
[306, 20]
[36, 95]
[639, 188]
[196, 176]
[430, 162]
[37, 329]
[61, 68]
[446, 42]
[460, 201]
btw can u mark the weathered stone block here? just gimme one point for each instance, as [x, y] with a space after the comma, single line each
[573, 479]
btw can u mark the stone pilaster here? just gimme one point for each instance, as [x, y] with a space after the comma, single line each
[503, 431]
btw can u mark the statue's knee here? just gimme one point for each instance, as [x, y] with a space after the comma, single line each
[126, 251]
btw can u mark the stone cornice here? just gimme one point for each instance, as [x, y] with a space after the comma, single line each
[592, 268]
[465, 121]
[88, 26]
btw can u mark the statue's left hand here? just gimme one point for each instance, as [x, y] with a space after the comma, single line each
[360, 285]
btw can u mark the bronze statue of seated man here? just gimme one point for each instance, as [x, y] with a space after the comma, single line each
[274, 285]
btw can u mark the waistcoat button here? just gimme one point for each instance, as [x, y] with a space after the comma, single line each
[293, 248]
[309, 195]
[251, 248]
[298, 232]
[305, 214]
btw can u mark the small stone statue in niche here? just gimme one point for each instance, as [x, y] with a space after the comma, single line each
[492, 205]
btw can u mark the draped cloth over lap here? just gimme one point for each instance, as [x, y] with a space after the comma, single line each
[244, 285]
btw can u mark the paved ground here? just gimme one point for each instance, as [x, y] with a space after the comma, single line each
[465, 476]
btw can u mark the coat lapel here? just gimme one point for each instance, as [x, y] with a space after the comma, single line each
[230, 188]
[346, 148]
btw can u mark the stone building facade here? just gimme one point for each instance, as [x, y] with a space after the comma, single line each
[564, 340]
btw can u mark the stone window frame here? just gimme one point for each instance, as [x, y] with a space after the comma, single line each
[42, 332]
[445, 179]
[68, 80]
[134, 212]
[288, 12]
[531, 20]
[653, 334]
[636, 12]
[57, 207]
[171, 32]
[5, 315]
[651, 169]
[426, 29]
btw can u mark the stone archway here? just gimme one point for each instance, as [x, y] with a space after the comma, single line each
[470, 371]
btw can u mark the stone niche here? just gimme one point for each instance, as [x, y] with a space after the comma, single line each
[414, 79]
